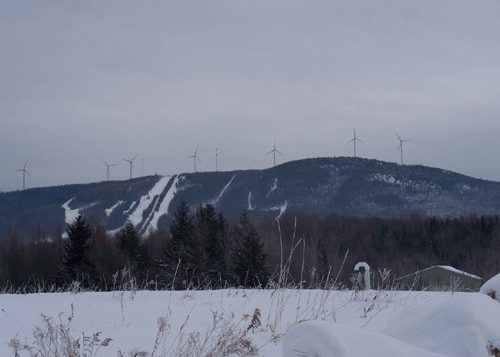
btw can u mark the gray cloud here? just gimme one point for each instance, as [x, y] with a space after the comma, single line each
[109, 79]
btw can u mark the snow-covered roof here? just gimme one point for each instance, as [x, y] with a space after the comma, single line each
[445, 267]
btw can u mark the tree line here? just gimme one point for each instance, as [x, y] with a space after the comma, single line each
[201, 249]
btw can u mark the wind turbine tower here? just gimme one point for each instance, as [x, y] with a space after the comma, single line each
[195, 159]
[216, 159]
[401, 142]
[354, 140]
[131, 163]
[274, 151]
[108, 166]
[25, 172]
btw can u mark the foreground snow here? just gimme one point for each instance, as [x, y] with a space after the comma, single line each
[278, 322]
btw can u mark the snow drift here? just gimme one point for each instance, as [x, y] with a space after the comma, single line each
[464, 325]
[492, 288]
[319, 338]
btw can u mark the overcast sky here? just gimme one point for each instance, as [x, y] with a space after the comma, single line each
[82, 81]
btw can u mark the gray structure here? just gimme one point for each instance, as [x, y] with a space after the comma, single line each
[440, 277]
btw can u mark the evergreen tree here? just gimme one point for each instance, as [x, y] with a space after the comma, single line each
[76, 258]
[183, 254]
[211, 232]
[129, 246]
[248, 258]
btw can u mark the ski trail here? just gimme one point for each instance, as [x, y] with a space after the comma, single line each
[214, 202]
[164, 205]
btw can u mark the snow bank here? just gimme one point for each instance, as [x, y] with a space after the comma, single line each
[319, 338]
[464, 325]
[492, 288]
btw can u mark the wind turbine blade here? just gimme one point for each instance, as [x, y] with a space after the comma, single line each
[279, 152]
[270, 152]
[135, 157]
[25, 164]
[198, 159]
[27, 173]
[398, 136]
[19, 170]
[361, 141]
[113, 165]
[350, 141]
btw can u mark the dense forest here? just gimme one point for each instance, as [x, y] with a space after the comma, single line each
[201, 249]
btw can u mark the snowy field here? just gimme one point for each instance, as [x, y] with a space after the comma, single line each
[262, 322]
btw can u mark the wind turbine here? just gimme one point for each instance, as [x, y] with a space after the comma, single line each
[108, 166]
[401, 142]
[216, 159]
[131, 163]
[195, 159]
[354, 140]
[24, 171]
[274, 151]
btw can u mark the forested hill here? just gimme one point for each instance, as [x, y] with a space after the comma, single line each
[347, 186]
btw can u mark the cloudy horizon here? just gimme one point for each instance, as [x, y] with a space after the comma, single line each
[107, 80]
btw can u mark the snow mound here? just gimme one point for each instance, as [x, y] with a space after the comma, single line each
[492, 288]
[464, 325]
[319, 338]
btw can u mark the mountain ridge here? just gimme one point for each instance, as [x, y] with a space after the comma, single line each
[340, 185]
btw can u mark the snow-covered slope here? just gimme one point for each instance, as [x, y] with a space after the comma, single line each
[322, 186]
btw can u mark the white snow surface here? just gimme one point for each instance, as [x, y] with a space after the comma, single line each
[136, 217]
[224, 189]
[320, 338]
[250, 207]
[281, 209]
[132, 205]
[70, 214]
[463, 325]
[353, 324]
[165, 204]
[449, 268]
[273, 187]
[455, 270]
[492, 287]
[110, 210]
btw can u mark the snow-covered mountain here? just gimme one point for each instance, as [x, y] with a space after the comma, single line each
[347, 186]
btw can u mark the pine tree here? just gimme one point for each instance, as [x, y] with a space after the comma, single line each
[211, 232]
[248, 258]
[76, 258]
[129, 246]
[183, 254]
